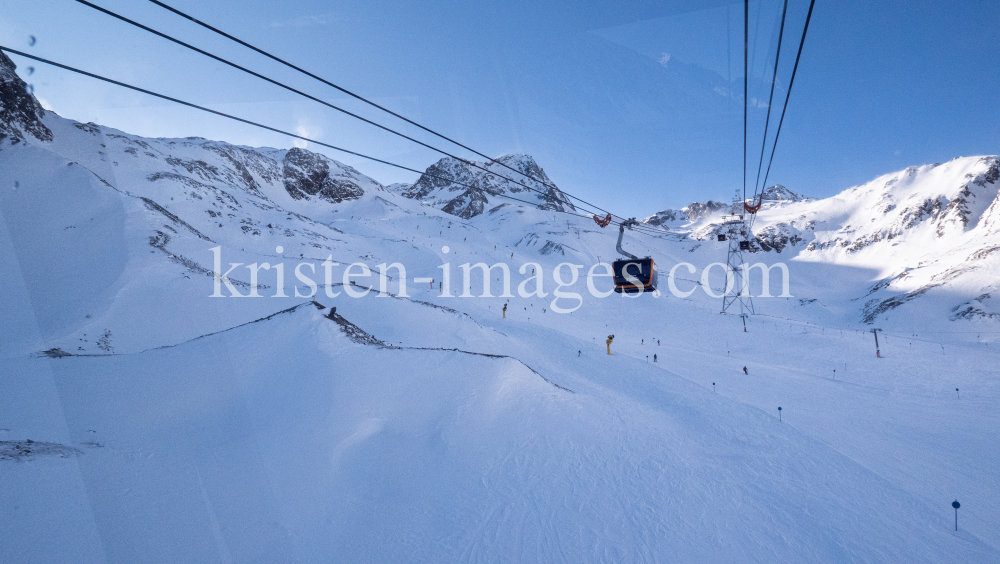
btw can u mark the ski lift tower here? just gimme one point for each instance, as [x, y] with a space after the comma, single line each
[735, 229]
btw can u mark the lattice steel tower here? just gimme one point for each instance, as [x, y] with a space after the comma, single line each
[736, 231]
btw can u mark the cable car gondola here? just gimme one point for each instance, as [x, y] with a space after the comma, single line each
[633, 275]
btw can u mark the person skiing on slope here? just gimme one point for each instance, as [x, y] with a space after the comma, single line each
[745, 371]
[654, 358]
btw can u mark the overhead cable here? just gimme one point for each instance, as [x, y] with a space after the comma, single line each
[788, 94]
[770, 99]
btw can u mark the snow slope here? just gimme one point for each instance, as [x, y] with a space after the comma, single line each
[925, 234]
[167, 425]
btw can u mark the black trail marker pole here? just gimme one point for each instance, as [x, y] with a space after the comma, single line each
[779, 413]
[957, 393]
[878, 353]
[956, 505]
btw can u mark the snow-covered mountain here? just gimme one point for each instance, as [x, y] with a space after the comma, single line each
[476, 189]
[779, 193]
[143, 419]
[924, 228]
[696, 211]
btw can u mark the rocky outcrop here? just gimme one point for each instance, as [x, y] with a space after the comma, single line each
[309, 174]
[779, 193]
[662, 218]
[689, 214]
[20, 112]
[465, 189]
[698, 210]
[467, 205]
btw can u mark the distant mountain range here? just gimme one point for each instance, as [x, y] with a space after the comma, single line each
[933, 226]
[930, 227]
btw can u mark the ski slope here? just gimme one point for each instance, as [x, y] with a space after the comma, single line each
[283, 440]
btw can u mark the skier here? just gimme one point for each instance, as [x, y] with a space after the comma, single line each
[745, 371]
[657, 342]
[654, 358]
[505, 311]
[578, 353]
[643, 342]
[432, 283]
[608, 342]
[439, 287]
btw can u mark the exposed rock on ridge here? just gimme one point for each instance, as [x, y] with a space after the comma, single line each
[20, 112]
[309, 174]
[464, 190]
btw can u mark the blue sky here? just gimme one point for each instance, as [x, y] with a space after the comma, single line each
[627, 105]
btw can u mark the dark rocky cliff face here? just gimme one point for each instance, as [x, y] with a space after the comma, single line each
[309, 174]
[779, 193]
[464, 190]
[698, 210]
[20, 112]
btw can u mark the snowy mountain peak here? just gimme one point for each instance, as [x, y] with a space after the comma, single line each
[522, 163]
[465, 188]
[781, 194]
[688, 214]
[20, 112]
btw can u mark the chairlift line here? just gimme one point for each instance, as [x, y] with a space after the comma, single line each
[770, 98]
[788, 94]
[746, 41]
[739, 226]
[310, 97]
[646, 231]
[260, 125]
[369, 102]
[643, 230]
